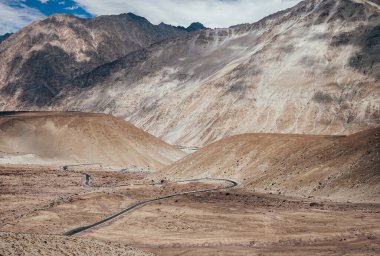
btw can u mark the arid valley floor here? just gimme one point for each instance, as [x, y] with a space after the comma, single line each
[42, 203]
[209, 212]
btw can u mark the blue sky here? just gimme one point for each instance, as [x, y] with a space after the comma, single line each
[54, 6]
[15, 14]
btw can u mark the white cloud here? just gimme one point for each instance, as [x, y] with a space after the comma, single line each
[71, 8]
[212, 13]
[44, 1]
[14, 14]
[13, 18]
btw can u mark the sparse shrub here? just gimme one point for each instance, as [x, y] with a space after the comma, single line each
[322, 97]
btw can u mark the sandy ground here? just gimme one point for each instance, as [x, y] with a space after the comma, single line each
[32, 244]
[48, 202]
[244, 224]
[339, 168]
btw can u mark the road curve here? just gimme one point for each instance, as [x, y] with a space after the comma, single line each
[144, 202]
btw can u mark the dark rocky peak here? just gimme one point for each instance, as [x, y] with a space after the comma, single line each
[5, 36]
[120, 19]
[162, 24]
[136, 17]
[129, 22]
[123, 18]
[195, 26]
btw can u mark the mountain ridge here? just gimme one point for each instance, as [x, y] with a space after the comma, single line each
[63, 46]
[308, 69]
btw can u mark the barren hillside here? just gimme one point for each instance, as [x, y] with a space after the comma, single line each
[335, 167]
[66, 138]
[39, 61]
[311, 69]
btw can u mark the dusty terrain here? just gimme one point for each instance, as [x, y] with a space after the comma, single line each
[34, 244]
[70, 137]
[40, 204]
[341, 168]
[27, 192]
[239, 223]
[295, 194]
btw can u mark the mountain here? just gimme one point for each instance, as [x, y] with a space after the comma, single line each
[313, 68]
[334, 167]
[40, 60]
[193, 27]
[5, 36]
[72, 137]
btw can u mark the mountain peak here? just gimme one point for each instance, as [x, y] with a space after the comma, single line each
[137, 17]
[195, 26]
[68, 47]
[5, 36]
[61, 16]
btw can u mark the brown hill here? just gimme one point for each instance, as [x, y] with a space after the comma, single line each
[37, 62]
[57, 137]
[336, 167]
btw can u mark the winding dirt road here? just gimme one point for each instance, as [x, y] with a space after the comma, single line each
[144, 202]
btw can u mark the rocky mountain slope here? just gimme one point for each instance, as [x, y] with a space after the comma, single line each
[39, 60]
[334, 167]
[84, 138]
[313, 68]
